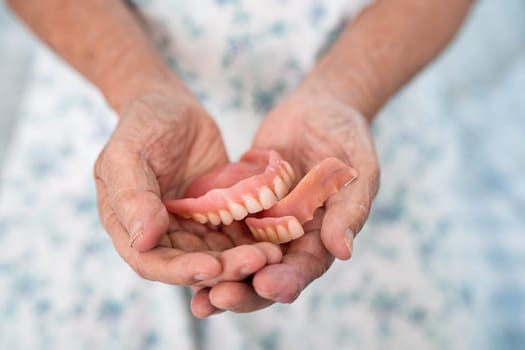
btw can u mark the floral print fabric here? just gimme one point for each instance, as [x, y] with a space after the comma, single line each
[422, 276]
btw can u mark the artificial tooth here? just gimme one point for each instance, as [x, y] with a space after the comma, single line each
[214, 219]
[226, 217]
[238, 211]
[286, 177]
[252, 205]
[282, 233]
[295, 229]
[200, 218]
[267, 197]
[257, 234]
[289, 170]
[271, 235]
[280, 188]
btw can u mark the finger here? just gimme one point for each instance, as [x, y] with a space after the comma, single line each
[243, 261]
[201, 306]
[347, 212]
[176, 267]
[168, 265]
[305, 260]
[237, 297]
[134, 195]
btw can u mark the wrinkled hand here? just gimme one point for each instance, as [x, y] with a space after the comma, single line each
[161, 143]
[306, 129]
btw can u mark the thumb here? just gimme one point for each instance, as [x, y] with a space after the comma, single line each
[347, 211]
[134, 195]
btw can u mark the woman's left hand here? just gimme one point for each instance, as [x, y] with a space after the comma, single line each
[307, 128]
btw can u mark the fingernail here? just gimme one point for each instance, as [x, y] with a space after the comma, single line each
[245, 271]
[287, 299]
[349, 241]
[200, 277]
[136, 231]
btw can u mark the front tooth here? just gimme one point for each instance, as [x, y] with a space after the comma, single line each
[226, 217]
[214, 219]
[295, 229]
[267, 197]
[200, 218]
[280, 188]
[238, 211]
[252, 205]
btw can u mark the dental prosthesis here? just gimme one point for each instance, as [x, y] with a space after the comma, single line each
[262, 190]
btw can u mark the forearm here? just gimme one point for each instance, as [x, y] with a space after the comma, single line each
[385, 46]
[103, 40]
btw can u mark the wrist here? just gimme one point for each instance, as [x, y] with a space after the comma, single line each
[124, 86]
[350, 83]
[131, 69]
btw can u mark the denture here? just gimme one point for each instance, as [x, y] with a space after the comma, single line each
[259, 190]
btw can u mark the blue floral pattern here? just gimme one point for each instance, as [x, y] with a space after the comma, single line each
[428, 272]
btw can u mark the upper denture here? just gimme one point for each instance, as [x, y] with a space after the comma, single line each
[255, 183]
